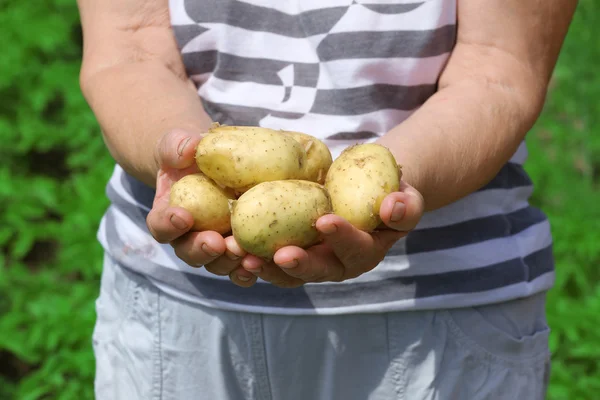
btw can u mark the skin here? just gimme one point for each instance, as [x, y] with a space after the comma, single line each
[490, 94]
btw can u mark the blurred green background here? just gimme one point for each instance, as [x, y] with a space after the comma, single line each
[54, 167]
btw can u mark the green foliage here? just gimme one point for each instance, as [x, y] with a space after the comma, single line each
[565, 165]
[52, 182]
[55, 167]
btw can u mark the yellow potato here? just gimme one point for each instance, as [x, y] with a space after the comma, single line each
[276, 214]
[358, 181]
[318, 156]
[205, 200]
[240, 157]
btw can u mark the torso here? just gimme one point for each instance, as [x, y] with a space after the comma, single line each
[345, 71]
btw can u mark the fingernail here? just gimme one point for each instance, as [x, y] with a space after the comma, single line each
[206, 248]
[398, 212]
[231, 256]
[329, 229]
[178, 222]
[244, 278]
[182, 145]
[290, 264]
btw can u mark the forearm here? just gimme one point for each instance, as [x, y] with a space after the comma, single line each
[460, 138]
[134, 80]
[490, 94]
[135, 104]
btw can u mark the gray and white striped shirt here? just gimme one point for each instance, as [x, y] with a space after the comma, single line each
[346, 71]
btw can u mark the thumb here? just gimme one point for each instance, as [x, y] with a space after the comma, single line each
[176, 149]
[402, 210]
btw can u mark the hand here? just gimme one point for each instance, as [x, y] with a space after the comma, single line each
[345, 252]
[220, 256]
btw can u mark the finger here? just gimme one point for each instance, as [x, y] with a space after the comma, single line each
[228, 262]
[177, 149]
[402, 210]
[352, 246]
[199, 248]
[167, 223]
[242, 278]
[234, 250]
[358, 251]
[269, 272]
[163, 188]
[223, 265]
[316, 264]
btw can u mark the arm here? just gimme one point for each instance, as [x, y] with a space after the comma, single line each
[490, 94]
[151, 117]
[134, 80]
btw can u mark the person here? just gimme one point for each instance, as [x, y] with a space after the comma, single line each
[446, 301]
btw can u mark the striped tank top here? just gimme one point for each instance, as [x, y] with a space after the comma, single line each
[345, 71]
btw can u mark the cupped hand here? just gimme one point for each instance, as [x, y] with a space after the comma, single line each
[345, 251]
[221, 256]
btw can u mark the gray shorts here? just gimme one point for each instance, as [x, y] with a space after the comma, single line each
[149, 345]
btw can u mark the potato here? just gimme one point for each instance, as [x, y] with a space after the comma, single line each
[240, 157]
[205, 200]
[318, 156]
[276, 214]
[358, 181]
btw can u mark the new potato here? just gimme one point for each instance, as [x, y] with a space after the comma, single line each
[276, 214]
[318, 156]
[240, 157]
[205, 200]
[287, 180]
[358, 181]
